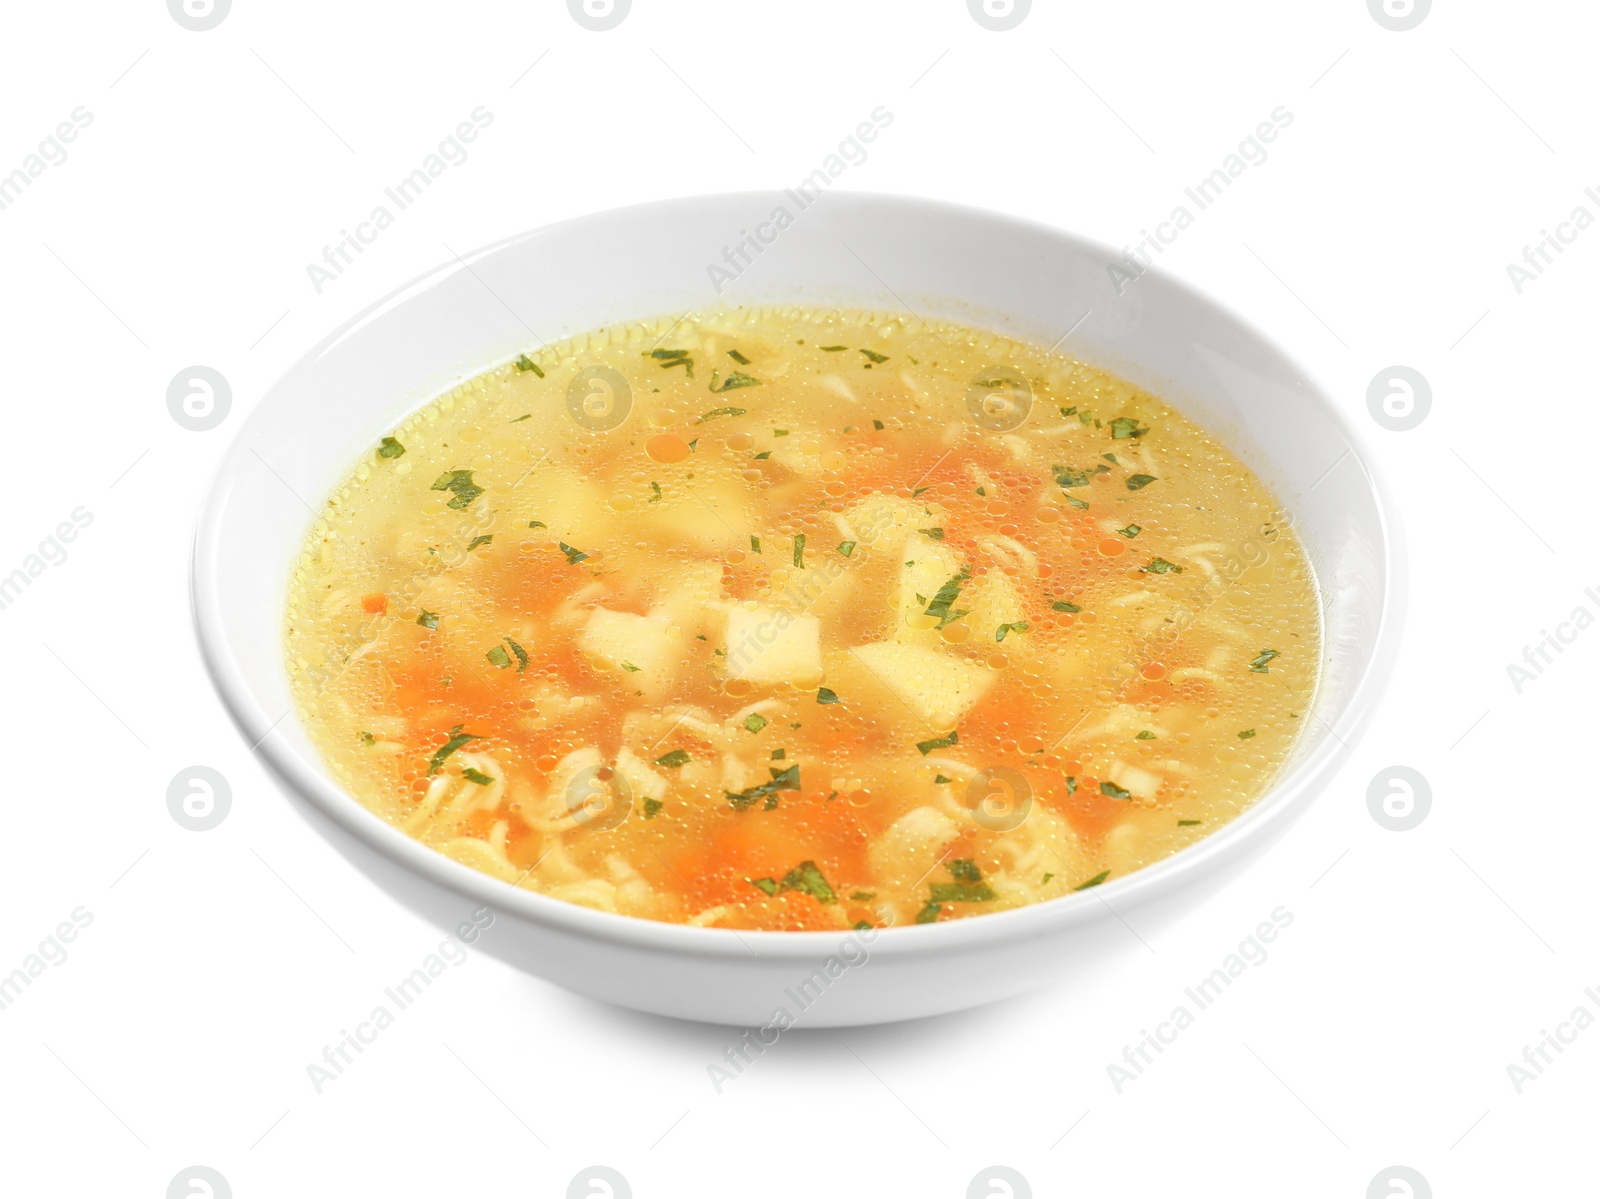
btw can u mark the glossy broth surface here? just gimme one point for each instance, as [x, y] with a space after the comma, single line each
[802, 619]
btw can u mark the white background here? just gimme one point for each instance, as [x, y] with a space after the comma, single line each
[218, 964]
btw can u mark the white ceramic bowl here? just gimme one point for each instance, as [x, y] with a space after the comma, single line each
[850, 250]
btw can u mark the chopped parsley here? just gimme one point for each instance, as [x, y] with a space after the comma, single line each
[1093, 882]
[832, 349]
[1072, 784]
[1124, 427]
[946, 596]
[517, 420]
[1160, 566]
[738, 379]
[940, 779]
[769, 885]
[939, 893]
[1048, 876]
[390, 448]
[875, 356]
[1246, 734]
[537, 524]
[671, 358]
[1015, 626]
[522, 655]
[964, 869]
[934, 534]
[574, 556]
[808, 878]
[1259, 663]
[780, 432]
[930, 913]
[877, 424]
[1185, 823]
[785, 780]
[716, 412]
[1131, 531]
[825, 695]
[459, 483]
[368, 739]
[655, 487]
[927, 747]
[755, 722]
[847, 548]
[651, 807]
[916, 491]
[799, 550]
[1113, 791]
[1135, 482]
[1076, 502]
[524, 363]
[738, 357]
[863, 896]
[1073, 411]
[778, 755]
[674, 759]
[498, 657]
[1064, 606]
[457, 740]
[755, 545]
[1144, 735]
[477, 776]
[428, 620]
[483, 539]
[1071, 476]
[763, 455]
[630, 667]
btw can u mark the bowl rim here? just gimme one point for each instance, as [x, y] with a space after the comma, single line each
[1288, 793]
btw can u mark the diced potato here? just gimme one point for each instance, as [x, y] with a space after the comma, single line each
[714, 520]
[622, 640]
[909, 847]
[928, 566]
[774, 645]
[992, 602]
[940, 688]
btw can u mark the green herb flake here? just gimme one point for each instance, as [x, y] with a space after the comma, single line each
[457, 740]
[574, 556]
[428, 620]
[941, 893]
[878, 424]
[738, 357]
[1144, 735]
[477, 776]
[769, 885]
[1064, 606]
[799, 550]
[930, 913]
[656, 488]
[390, 448]
[780, 432]
[537, 524]
[522, 655]
[755, 545]
[832, 349]
[1076, 502]
[652, 808]
[964, 869]
[738, 379]
[459, 483]
[1071, 476]
[1136, 482]
[778, 755]
[806, 877]
[763, 455]
[934, 534]
[916, 491]
[368, 739]
[671, 358]
[1258, 664]
[1187, 823]
[875, 356]
[716, 412]
[1112, 791]
[1246, 734]
[630, 667]
[498, 657]
[947, 595]
[847, 548]
[484, 539]
[1073, 411]
[1072, 784]
[825, 695]
[786, 780]
[1016, 626]
[863, 896]
[1131, 531]
[755, 722]
[940, 779]
[674, 759]
[927, 747]
[1124, 427]
[1093, 882]
[524, 363]
[517, 420]
[1160, 566]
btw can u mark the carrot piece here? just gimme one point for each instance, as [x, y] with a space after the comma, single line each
[375, 604]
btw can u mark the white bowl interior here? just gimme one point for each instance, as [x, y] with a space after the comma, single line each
[847, 250]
